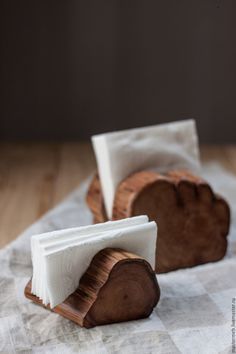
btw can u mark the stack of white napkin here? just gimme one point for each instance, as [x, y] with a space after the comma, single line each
[161, 147]
[61, 257]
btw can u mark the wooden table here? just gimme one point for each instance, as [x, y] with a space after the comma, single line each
[34, 177]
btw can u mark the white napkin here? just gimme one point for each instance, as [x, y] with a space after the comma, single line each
[59, 264]
[161, 147]
[39, 242]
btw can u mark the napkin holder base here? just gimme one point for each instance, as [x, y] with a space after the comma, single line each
[117, 286]
[193, 222]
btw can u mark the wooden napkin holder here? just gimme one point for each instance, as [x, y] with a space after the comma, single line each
[192, 220]
[117, 286]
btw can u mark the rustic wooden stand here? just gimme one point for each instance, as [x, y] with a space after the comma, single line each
[118, 286]
[192, 220]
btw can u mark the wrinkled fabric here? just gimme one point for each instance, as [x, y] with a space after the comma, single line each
[194, 314]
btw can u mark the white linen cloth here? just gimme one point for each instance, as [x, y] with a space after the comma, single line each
[162, 147]
[194, 314]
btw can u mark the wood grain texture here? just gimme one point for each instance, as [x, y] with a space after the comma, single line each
[117, 286]
[34, 177]
[192, 220]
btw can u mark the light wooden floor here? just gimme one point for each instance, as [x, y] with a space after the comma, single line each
[34, 177]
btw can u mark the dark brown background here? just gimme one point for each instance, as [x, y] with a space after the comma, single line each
[70, 68]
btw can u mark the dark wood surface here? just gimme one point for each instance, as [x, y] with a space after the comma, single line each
[34, 177]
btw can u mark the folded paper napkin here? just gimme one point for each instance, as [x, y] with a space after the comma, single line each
[162, 147]
[61, 257]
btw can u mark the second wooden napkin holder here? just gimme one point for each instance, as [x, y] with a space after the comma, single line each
[192, 220]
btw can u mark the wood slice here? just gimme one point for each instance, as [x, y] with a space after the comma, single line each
[192, 220]
[117, 286]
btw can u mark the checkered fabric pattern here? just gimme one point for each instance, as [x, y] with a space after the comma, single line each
[194, 314]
